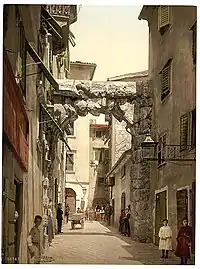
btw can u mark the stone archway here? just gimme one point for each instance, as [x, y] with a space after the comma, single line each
[78, 98]
[70, 199]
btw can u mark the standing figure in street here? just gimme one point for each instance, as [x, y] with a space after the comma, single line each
[34, 241]
[59, 218]
[184, 240]
[102, 213]
[127, 223]
[67, 210]
[121, 222]
[108, 212]
[50, 227]
[165, 243]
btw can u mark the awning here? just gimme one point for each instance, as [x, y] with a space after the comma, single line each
[56, 126]
[40, 63]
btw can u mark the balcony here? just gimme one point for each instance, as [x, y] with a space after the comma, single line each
[63, 12]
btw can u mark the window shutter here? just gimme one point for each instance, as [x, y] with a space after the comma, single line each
[165, 81]
[194, 40]
[184, 131]
[163, 16]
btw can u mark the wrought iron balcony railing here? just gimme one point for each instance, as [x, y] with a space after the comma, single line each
[66, 11]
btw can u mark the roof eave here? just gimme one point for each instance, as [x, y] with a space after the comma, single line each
[145, 12]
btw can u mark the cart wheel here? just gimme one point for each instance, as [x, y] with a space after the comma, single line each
[72, 225]
[82, 224]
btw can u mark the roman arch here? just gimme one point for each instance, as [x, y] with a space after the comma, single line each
[78, 98]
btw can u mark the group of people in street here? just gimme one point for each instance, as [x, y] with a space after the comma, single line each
[124, 222]
[184, 240]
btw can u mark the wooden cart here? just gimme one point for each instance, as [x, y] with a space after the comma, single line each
[77, 218]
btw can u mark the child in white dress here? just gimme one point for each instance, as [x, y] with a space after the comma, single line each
[165, 243]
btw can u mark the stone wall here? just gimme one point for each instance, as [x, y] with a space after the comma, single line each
[140, 170]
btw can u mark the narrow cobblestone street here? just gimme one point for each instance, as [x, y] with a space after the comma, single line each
[96, 244]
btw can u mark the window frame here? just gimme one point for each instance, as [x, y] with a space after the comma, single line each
[73, 164]
[163, 25]
[123, 171]
[194, 42]
[193, 128]
[184, 132]
[166, 80]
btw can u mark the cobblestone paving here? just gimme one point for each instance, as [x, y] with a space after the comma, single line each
[96, 244]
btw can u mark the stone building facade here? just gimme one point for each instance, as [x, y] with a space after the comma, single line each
[172, 70]
[29, 122]
[78, 179]
[99, 161]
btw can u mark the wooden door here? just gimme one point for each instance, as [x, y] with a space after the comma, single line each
[123, 201]
[182, 206]
[9, 224]
[160, 213]
[70, 199]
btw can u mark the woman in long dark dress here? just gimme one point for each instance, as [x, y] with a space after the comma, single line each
[184, 240]
[121, 221]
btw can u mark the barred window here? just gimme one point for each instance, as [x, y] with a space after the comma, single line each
[163, 18]
[183, 132]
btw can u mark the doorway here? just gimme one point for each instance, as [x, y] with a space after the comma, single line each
[70, 199]
[160, 213]
[123, 201]
[18, 222]
[113, 211]
[182, 206]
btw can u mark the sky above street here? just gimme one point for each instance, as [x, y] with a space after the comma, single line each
[113, 38]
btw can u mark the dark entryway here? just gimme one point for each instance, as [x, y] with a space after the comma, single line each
[113, 211]
[182, 206]
[70, 199]
[123, 201]
[18, 223]
[160, 213]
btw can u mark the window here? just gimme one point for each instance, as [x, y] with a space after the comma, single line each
[162, 149]
[101, 181]
[22, 59]
[123, 171]
[183, 132]
[98, 134]
[163, 18]
[193, 129]
[97, 154]
[166, 80]
[194, 40]
[70, 162]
